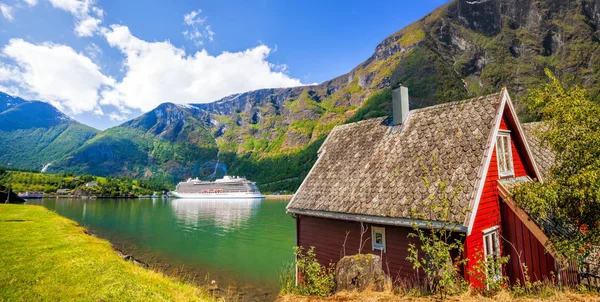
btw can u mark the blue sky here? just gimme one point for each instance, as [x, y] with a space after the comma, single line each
[103, 62]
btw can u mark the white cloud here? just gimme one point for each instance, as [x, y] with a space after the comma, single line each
[87, 27]
[157, 72]
[198, 29]
[72, 6]
[87, 16]
[30, 2]
[7, 11]
[93, 51]
[56, 73]
[193, 18]
[114, 116]
[8, 73]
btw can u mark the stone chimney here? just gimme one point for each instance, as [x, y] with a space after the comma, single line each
[400, 105]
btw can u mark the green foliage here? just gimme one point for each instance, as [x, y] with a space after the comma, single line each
[379, 104]
[107, 187]
[439, 254]
[570, 196]
[488, 271]
[287, 278]
[275, 173]
[305, 126]
[131, 152]
[313, 279]
[304, 102]
[414, 33]
[32, 148]
[536, 289]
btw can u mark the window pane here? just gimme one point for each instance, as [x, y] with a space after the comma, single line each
[500, 154]
[505, 149]
[378, 238]
[505, 164]
[495, 243]
[509, 162]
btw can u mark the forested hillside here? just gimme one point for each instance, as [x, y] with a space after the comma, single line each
[462, 49]
[34, 134]
[168, 142]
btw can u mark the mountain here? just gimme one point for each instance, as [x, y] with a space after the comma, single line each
[462, 49]
[34, 134]
[168, 142]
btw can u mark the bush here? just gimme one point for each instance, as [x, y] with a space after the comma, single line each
[484, 270]
[314, 279]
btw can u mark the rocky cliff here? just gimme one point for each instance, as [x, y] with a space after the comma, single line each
[464, 48]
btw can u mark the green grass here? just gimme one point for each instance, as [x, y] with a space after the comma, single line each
[46, 257]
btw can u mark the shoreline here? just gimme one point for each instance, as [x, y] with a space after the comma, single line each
[136, 197]
[225, 285]
[82, 266]
[279, 196]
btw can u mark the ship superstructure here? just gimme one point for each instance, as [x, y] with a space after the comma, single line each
[226, 187]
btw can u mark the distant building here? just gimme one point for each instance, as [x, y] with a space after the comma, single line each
[371, 173]
[63, 191]
[91, 184]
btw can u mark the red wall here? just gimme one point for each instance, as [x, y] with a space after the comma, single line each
[488, 213]
[328, 235]
[523, 248]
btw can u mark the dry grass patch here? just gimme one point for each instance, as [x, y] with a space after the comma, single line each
[387, 296]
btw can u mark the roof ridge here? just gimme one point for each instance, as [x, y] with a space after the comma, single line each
[369, 168]
[353, 124]
[448, 104]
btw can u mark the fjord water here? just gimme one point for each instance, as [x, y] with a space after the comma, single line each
[239, 243]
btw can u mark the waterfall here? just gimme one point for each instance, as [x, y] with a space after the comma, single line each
[214, 174]
[46, 167]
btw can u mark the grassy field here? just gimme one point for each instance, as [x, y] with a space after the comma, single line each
[45, 257]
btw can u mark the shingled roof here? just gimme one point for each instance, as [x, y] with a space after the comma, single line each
[376, 169]
[543, 156]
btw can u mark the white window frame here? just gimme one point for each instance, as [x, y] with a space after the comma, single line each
[489, 236]
[378, 246]
[502, 152]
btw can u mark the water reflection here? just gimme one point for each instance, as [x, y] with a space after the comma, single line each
[239, 242]
[224, 213]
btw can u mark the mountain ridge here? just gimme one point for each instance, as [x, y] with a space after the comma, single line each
[461, 49]
[36, 134]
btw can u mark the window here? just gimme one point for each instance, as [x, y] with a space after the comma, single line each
[491, 250]
[378, 238]
[504, 154]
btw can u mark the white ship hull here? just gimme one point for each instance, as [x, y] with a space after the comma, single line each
[217, 195]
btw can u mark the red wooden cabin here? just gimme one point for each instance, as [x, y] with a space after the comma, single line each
[368, 182]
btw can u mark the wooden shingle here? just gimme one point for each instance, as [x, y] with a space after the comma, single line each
[542, 154]
[375, 168]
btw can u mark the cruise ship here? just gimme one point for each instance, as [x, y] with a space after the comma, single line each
[231, 187]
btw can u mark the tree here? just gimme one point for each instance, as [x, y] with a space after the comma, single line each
[570, 197]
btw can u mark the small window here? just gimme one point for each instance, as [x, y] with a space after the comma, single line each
[504, 154]
[491, 249]
[378, 238]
